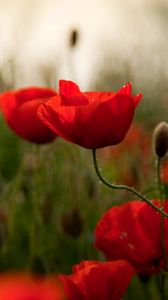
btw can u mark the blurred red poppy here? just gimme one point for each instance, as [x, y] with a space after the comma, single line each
[26, 287]
[20, 112]
[92, 280]
[132, 232]
[91, 119]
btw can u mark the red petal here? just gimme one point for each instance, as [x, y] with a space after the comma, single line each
[126, 89]
[8, 104]
[137, 99]
[32, 93]
[24, 286]
[20, 112]
[99, 280]
[71, 289]
[131, 231]
[95, 125]
[70, 93]
[58, 118]
[83, 265]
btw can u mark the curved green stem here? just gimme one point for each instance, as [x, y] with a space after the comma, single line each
[124, 187]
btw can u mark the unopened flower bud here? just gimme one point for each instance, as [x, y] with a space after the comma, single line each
[72, 222]
[74, 36]
[160, 138]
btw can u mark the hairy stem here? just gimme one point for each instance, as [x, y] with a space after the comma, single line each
[163, 278]
[124, 187]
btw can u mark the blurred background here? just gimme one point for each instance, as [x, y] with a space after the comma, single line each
[100, 44]
[50, 205]
[116, 40]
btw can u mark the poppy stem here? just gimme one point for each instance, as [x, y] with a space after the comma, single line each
[162, 217]
[124, 187]
[162, 233]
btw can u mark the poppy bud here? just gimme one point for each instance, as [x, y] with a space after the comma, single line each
[160, 138]
[73, 38]
[72, 222]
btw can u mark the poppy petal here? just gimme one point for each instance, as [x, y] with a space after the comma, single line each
[98, 280]
[19, 109]
[70, 93]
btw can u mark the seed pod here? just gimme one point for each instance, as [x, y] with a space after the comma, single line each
[160, 139]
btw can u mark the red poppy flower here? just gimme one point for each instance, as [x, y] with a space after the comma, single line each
[91, 119]
[92, 280]
[132, 232]
[20, 112]
[27, 287]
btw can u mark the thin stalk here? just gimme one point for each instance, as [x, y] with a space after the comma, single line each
[34, 198]
[162, 217]
[163, 278]
[124, 187]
